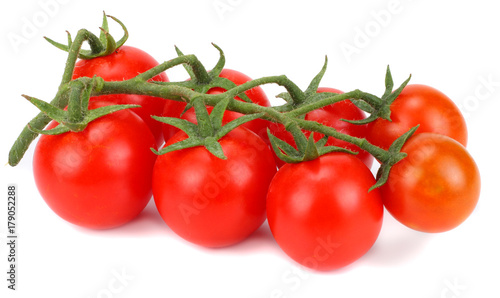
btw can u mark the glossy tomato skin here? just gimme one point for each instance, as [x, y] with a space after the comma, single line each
[331, 115]
[419, 105]
[321, 213]
[98, 178]
[213, 202]
[436, 187]
[125, 63]
[256, 95]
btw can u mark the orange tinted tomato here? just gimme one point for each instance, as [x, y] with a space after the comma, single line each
[436, 187]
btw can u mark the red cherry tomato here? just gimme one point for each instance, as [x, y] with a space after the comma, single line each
[419, 104]
[256, 95]
[321, 213]
[213, 202]
[125, 63]
[436, 187]
[100, 177]
[331, 115]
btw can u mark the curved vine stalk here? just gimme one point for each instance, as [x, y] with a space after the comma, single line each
[289, 114]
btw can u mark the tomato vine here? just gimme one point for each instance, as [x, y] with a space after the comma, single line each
[75, 94]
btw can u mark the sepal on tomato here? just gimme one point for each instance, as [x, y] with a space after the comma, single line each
[310, 95]
[59, 129]
[77, 116]
[312, 149]
[395, 155]
[379, 107]
[201, 81]
[102, 46]
[62, 116]
[314, 85]
[208, 130]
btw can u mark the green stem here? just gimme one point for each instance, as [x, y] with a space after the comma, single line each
[82, 36]
[356, 94]
[27, 136]
[75, 103]
[282, 80]
[203, 118]
[140, 86]
[271, 113]
[175, 92]
[199, 70]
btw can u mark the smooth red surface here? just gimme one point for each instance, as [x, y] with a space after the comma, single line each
[321, 213]
[210, 201]
[100, 177]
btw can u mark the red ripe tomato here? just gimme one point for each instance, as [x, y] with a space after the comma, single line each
[213, 202]
[331, 115]
[125, 63]
[100, 177]
[419, 104]
[436, 187]
[256, 95]
[321, 213]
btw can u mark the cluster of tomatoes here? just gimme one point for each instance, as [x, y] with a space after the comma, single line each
[320, 211]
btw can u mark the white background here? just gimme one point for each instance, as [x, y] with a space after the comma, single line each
[453, 46]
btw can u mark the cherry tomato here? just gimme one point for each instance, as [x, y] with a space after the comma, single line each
[100, 177]
[256, 95]
[419, 104]
[321, 213]
[125, 63]
[436, 187]
[210, 201]
[331, 115]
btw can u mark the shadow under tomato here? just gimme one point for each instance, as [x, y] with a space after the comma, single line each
[147, 223]
[397, 244]
[261, 240]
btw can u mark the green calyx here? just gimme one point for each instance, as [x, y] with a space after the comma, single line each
[202, 80]
[307, 149]
[77, 116]
[312, 150]
[102, 46]
[208, 130]
[394, 156]
[300, 98]
[379, 107]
